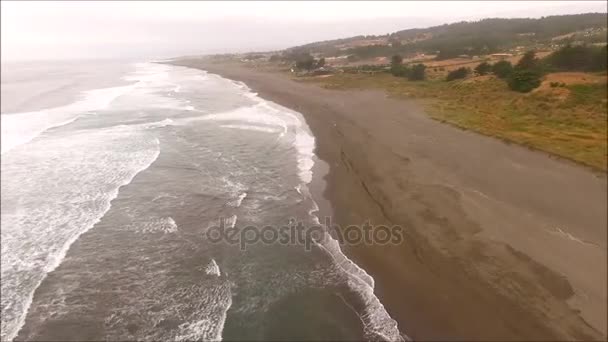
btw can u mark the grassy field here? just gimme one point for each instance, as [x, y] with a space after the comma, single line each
[568, 121]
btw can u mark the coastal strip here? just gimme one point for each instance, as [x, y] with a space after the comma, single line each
[478, 261]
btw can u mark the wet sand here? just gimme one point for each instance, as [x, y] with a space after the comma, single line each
[502, 243]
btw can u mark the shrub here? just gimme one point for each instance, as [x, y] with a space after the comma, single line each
[502, 69]
[554, 84]
[305, 61]
[483, 68]
[528, 61]
[417, 72]
[458, 73]
[578, 58]
[524, 80]
[396, 65]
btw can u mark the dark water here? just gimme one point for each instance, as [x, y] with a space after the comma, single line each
[107, 208]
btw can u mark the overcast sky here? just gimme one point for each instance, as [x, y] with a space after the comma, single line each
[88, 29]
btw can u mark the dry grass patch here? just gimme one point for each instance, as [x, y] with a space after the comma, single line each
[572, 126]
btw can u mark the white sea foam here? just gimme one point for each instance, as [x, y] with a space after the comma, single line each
[210, 325]
[377, 321]
[256, 114]
[20, 128]
[213, 269]
[59, 185]
[38, 233]
[163, 225]
[252, 128]
[231, 221]
[158, 124]
[215, 302]
[237, 202]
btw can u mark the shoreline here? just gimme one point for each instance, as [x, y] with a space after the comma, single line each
[448, 279]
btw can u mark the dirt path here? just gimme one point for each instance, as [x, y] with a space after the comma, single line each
[502, 242]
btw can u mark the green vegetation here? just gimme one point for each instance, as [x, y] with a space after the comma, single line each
[470, 38]
[573, 126]
[524, 80]
[417, 72]
[527, 73]
[502, 69]
[458, 74]
[578, 58]
[305, 62]
[566, 116]
[397, 66]
[483, 68]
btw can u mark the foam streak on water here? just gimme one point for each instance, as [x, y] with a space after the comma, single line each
[57, 184]
[226, 153]
[19, 128]
[37, 234]
[377, 322]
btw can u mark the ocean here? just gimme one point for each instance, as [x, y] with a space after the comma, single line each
[114, 175]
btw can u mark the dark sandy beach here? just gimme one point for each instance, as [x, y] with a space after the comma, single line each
[502, 243]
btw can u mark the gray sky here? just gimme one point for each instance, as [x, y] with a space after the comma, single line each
[88, 29]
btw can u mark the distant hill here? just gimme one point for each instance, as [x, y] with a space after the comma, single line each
[473, 38]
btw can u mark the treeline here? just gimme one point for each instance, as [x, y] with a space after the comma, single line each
[527, 73]
[471, 38]
[578, 58]
[415, 72]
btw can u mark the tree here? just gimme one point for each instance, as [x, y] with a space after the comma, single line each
[321, 62]
[396, 60]
[526, 74]
[599, 60]
[274, 58]
[396, 65]
[502, 69]
[417, 72]
[458, 73]
[483, 68]
[524, 80]
[528, 61]
[578, 58]
[305, 62]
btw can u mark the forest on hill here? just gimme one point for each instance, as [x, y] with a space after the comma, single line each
[473, 38]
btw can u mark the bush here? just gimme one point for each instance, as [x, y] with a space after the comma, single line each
[417, 72]
[483, 68]
[554, 84]
[502, 69]
[458, 73]
[396, 66]
[305, 62]
[321, 62]
[528, 61]
[578, 58]
[524, 80]
[400, 71]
